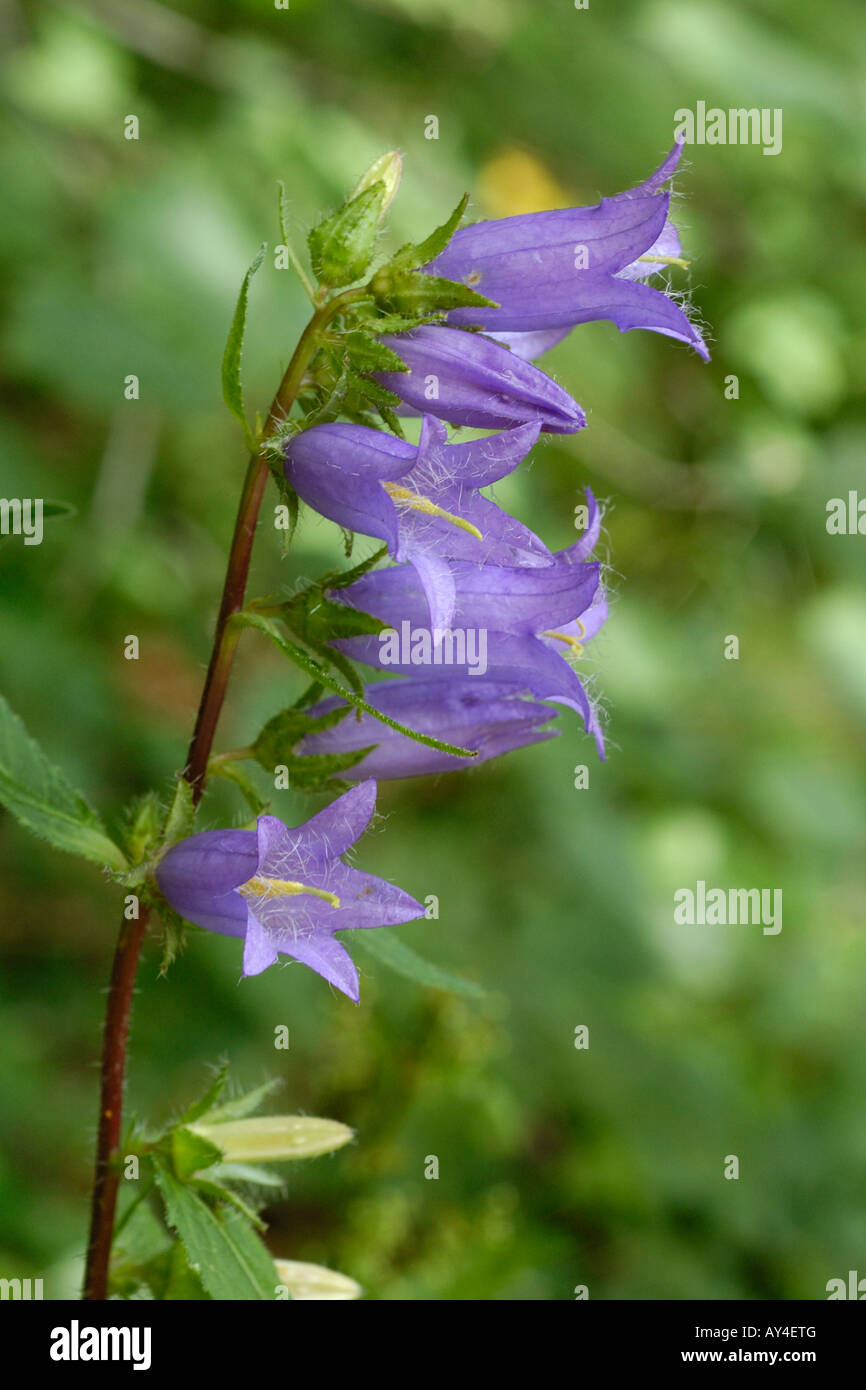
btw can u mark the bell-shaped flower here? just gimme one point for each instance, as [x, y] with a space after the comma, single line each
[468, 379]
[527, 622]
[548, 271]
[424, 501]
[285, 890]
[490, 717]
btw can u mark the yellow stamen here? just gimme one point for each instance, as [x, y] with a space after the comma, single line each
[667, 260]
[283, 888]
[567, 638]
[424, 504]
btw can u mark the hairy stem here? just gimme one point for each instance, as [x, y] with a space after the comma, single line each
[129, 942]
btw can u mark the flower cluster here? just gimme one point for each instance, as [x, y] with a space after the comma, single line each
[475, 626]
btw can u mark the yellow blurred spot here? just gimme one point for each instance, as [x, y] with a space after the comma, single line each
[515, 181]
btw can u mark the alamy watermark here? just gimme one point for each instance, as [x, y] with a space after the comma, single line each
[720, 907]
[22, 516]
[438, 646]
[737, 126]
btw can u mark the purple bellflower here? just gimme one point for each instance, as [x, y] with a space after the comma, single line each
[549, 271]
[423, 501]
[468, 379]
[491, 718]
[285, 890]
[520, 624]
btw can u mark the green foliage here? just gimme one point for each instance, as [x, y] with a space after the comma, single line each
[233, 393]
[341, 246]
[221, 1248]
[392, 951]
[39, 796]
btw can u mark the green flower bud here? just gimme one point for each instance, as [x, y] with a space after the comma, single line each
[270, 1137]
[387, 169]
[306, 1281]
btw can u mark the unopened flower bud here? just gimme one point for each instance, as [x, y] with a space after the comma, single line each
[271, 1137]
[306, 1281]
[387, 169]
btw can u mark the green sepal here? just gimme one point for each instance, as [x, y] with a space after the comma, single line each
[239, 1107]
[366, 354]
[190, 1152]
[181, 815]
[411, 292]
[232, 771]
[341, 247]
[207, 1101]
[233, 394]
[143, 827]
[412, 255]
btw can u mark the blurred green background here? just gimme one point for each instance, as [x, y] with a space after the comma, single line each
[558, 1167]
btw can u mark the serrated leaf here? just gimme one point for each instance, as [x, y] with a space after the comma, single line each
[411, 256]
[306, 663]
[366, 354]
[341, 247]
[191, 1152]
[225, 1194]
[222, 1250]
[391, 951]
[233, 394]
[39, 796]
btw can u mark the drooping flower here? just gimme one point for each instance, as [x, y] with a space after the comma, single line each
[468, 379]
[285, 890]
[424, 502]
[491, 718]
[526, 622]
[548, 271]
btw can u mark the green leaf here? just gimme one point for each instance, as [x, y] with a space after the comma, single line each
[306, 663]
[39, 796]
[413, 292]
[411, 256]
[390, 950]
[222, 1249]
[190, 1152]
[341, 247]
[173, 935]
[233, 394]
[181, 1280]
